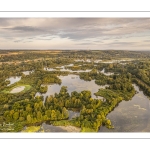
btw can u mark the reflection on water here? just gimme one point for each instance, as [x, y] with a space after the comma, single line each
[13, 79]
[73, 83]
[131, 116]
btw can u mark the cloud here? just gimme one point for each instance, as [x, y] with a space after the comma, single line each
[18, 41]
[81, 28]
[146, 41]
[77, 30]
[24, 29]
[123, 43]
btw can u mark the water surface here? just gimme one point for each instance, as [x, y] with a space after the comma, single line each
[131, 116]
[17, 89]
[13, 80]
[62, 68]
[73, 114]
[27, 72]
[106, 73]
[50, 128]
[73, 83]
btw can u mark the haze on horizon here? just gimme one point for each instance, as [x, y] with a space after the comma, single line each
[75, 33]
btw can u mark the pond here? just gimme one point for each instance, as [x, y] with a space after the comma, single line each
[73, 114]
[106, 73]
[17, 89]
[13, 80]
[27, 72]
[131, 116]
[73, 83]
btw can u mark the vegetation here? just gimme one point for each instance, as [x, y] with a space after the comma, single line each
[32, 129]
[24, 109]
[43, 89]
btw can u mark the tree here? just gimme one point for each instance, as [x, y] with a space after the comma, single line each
[15, 115]
[29, 119]
[65, 113]
[53, 115]
[39, 115]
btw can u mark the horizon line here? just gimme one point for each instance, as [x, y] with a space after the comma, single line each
[75, 49]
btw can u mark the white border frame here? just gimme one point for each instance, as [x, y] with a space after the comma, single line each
[73, 14]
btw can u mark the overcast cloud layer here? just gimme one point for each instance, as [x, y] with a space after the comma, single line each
[75, 33]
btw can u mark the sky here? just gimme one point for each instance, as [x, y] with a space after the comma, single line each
[75, 33]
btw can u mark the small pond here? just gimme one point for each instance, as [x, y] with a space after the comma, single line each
[106, 73]
[27, 72]
[13, 80]
[17, 89]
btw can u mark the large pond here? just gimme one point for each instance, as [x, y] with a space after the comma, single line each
[128, 116]
[73, 83]
[131, 116]
[13, 80]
